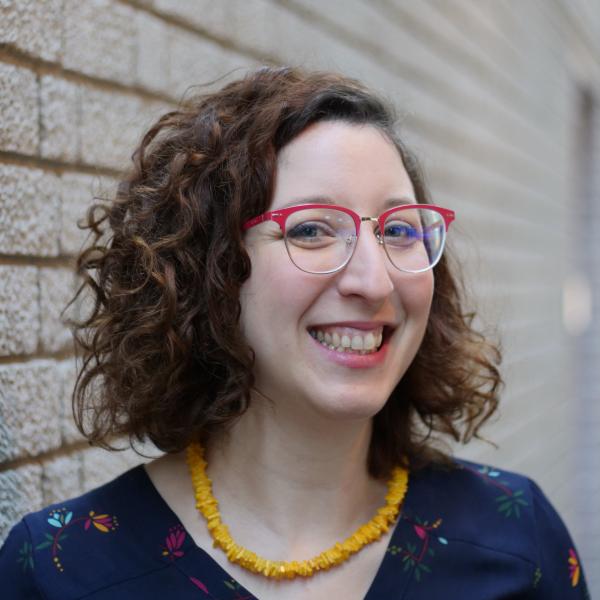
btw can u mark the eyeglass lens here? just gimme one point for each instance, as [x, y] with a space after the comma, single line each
[322, 240]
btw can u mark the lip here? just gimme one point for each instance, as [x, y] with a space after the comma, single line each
[351, 360]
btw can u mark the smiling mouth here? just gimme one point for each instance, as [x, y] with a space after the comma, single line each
[350, 340]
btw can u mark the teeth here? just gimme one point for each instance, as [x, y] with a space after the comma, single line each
[353, 343]
[357, 342]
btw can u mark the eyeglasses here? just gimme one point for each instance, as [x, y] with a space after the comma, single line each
[321, 238]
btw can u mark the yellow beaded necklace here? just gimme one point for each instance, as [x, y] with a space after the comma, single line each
[337, 554]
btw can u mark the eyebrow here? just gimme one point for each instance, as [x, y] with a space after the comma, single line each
[389, 203]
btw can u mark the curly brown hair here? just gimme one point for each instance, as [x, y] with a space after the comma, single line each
[163, 355]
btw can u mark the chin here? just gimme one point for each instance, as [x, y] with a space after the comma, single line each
[349, 407]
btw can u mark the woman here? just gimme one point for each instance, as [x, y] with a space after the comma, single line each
[273, 310]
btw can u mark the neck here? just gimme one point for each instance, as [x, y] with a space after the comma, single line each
[282, 470]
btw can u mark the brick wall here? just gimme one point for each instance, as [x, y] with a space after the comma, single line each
[487, 93]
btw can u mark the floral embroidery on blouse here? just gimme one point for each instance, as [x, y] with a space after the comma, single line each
[25, 557]
[537, 576]
[232, 585]
[174, 542]
[238, 589]
[420, 551]
[574, 568]
[413, 556]
[200, 585]
[509, 501]
[172, 549]
[62, 519]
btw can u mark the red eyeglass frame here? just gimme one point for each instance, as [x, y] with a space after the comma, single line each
[280, 216]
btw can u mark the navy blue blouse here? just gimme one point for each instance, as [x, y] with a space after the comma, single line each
[471, 532]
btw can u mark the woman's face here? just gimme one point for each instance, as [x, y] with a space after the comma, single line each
[359, 168]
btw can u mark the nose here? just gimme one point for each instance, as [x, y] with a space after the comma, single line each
[367, 274]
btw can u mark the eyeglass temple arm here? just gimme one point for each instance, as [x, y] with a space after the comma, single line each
[448, 215]
[256, 220]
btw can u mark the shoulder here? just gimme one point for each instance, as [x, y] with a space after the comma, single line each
[503, 516]
[69, 549]
[479, 486]
[87, 508]
[481, 504]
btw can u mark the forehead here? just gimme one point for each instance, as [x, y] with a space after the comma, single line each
[353, 165]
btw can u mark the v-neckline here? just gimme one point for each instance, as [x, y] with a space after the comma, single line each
[376, 583]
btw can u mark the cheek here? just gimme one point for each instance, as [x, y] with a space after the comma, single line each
[417, 295]
[274, 298]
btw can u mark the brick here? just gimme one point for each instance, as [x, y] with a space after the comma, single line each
[20, 493]
[19, 109]
[99, 39]
[83, 306]
[226, 20]
[31, 28]
[111, 125]
[100, 466]
[183, 60]
[152, 62]
[76, 197]
[210, 15]
[365, 21]
[274, 31]
[59, 118]
[29, 211]
[257, 25]
[235, 66]
[61, 478]
[19, 310]
[29, 408]
[67, 374]
[78, 192]
[57, 287]
[193, 61]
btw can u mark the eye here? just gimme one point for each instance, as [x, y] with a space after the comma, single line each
[311, 232]
[400, 233]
